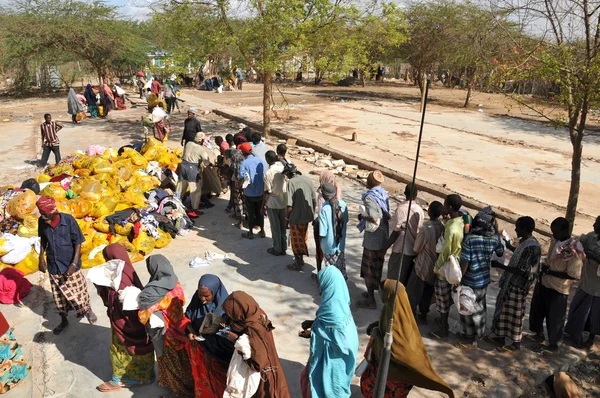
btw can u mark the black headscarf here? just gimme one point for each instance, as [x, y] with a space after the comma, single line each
[484, 223]
[329, 193]
[89, 95]
[162, 281]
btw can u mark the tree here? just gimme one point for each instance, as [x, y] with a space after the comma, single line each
[566, 54]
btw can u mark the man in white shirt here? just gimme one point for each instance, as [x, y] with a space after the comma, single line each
[260, 149]
[275, 201]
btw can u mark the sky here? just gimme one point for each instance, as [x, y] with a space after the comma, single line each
[131, 8]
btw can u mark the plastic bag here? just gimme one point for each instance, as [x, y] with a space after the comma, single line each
[43, 178]
[95, 150]
[91, 190]
[143, 243]
[21, 205]
[93, 262]
[164, 240]
[242, 381]
[136, 199]
[103, 166]
[451, 271]
[83, 173]
[105, 206]
[63, 169]
[4, 247]
[30, 263]
[124, 173]
[80, 207]
[101, 225]
[54, 190]
[465, 296]
[29, 228]
[136, 158]
[20, 248]
[124, 230]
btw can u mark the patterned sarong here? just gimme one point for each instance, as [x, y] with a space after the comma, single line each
[509, 314]
[371, 267]
[71, 293]
[299, 239]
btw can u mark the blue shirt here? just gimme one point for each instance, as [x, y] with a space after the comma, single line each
[327, 229]
[477, 250]
[60, 243]
[255, 168]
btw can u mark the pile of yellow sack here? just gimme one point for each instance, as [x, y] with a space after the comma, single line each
[100, 186]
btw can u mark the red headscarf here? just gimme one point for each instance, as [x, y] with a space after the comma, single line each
[47, 204]
[245, 148]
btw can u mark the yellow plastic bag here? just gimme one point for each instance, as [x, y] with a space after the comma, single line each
[83, 172]
[144, 243]
[103, 166]
[164, 240]
[136, 158]
[124, 173]
[55, 190]
[43, 178]
[22, 205]
[124, 230]
[100, 239]
[136, 199]
[30, 264]
[98, 259]
[62, 206]
[87, 162]
[80, 207]
[105, 206]
[101, 225]
[136, 256]
[91, 190]
[63, 169]
[29, 228]
[3, 250]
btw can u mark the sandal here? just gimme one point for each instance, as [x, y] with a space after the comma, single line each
[272, 251]
[466, 345]
[437, 336]
[366, 305]
[248, 235]
[508, 349]
[294, 267]
[108, 386]
[535, 338]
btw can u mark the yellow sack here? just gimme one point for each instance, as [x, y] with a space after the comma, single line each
[105, 207]
[144, 243]
[137, 199]
[124, 230]
[100, 239]
[62, 169]
[29, 264]
[29, 228]
[106, 191]
[164, 240]
[80, 207]
[98, 259]
[22, 205]
[3, 250]
[136, 158]
[104, 166]
[134, 257]
[43, 178]
[91, 190]
[124, 172]
[62, 206]
[102, 177]
[55, 190]
[87, 162]
[83, 172]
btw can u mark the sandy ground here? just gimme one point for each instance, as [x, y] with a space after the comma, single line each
[72, 364]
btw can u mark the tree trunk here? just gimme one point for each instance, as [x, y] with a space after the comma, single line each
[575, 179]
[318, 76]
[266, 104]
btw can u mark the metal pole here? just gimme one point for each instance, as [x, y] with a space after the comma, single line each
[386, 354]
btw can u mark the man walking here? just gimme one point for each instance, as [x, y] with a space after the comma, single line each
[275, 202]
[191, 127]
[61, 240]
[252, 172]
[50, 141]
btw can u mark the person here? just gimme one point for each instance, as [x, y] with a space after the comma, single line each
[454, 230]
[162, 299]
[73, 105]
[275, 202]
[50, 141]
[141, 82]
[260, 149]
[409, 364]
[403, 254]
[584, 313]
[108, 100]
[169, 96]
[210, 357]
[301, 206]
[240, 78]
[161, 123]
[229, 140]
[281, 152]
[120, 97]
[515, 284]
[191, 127]
[252, 171]
[422, 277]
[333, 340]
[131, 354]
[190, 173]
[235, 158]
[90, 98]
[15, 366]
[476, 260]
[155, 87]
[153, 102]
[333, 222]
[60, 256]
[551, 293]
[325, 177]
[222, 144]
[376, 212]
[244, 316]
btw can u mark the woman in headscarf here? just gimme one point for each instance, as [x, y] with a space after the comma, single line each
[333, 220]
[153, 102]
[120, 97]
[131, 353]
[169, 95]
[246, 317]
[90, 98]
[409, 365]
[161, 310]
[235, 159]
[160, 120]
[211, 183]
[210, 357]
[333, 341]
[108, 99]
[73, 105]
[326, 177]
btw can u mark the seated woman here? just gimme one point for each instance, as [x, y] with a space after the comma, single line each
[131, 354]
[409, 365]
[162, 300]
[244, 316]
[333, 340]
[210, 358]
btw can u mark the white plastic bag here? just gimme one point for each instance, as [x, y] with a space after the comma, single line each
[120, 91]
[501, 259]
[242, 382]
[439, 246]
[20, 248]
[451, 271]
[369, 226]
[464, 298]
[108, 274]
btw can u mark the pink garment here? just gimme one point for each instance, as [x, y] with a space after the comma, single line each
[327, 177]
[13, 286]
[81, 99]
[108, 91]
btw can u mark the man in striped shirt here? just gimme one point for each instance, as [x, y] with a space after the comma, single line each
[50, 142]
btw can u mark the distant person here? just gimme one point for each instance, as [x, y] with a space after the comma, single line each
[191, 127]
[155, 87]
[108, 100]
[374, 222]
[281, 152]
[222, 144]
[74, 106]
[515, 283]
[50, 141]
[326, 177]
[422, 278]
[301, 206]
[260, 149]
[189, 174]
[240, 78]
[252, 172]
[169, 96]
[60, 256]
[584, 313]
[454, 231]
[275, 202]
[91, 100]
[333, 223]
[551, 294]
[229, 140]
[235, 158]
